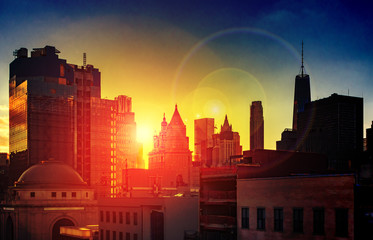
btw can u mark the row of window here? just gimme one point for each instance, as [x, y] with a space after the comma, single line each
[54, 194]
[120, 216]
[341, 220]
[114, 235]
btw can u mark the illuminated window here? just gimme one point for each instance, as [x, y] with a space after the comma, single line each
[54, 194]
[32, 194]
[278, 219]
[63, 194]
[128, 220]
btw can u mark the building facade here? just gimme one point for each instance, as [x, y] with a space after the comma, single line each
[256, 126]
[226, 146]
[333, 126]
[47, 196]
[171, 155]
[203, 140]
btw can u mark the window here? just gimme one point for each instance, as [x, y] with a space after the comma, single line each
[341, 222]
[86, 194]
[298, 220]
[245, 217]
[128, 236]
[278, 219]
[32, 194]
[73, 194]
[120, 217]
[107, 216]
[120, 235]
[261, 218]
[128, 220]
[134, 218]
[318, 221]
[114, 217]
[101, 234]
[107, 235]
[54, 194]
[64, 194]
[135, 236]
[101, 216]
[114, 235]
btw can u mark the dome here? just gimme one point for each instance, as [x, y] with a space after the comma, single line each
[50, 173]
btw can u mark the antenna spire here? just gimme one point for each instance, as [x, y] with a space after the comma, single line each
[302, 61]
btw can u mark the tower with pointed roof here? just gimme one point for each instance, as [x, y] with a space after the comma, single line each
[226, 145]
[302, 92]
[171, 154]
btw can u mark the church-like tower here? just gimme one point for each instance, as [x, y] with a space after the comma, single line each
[171, 154]
[302, 93]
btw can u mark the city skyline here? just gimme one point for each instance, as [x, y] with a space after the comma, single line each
[188, 63]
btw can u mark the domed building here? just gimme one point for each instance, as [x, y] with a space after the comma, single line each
[47, 196]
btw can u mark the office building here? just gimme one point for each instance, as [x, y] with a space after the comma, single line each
[256, 126]
[203, 142]
[333, 126]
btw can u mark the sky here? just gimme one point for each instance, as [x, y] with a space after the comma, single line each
[211, 58]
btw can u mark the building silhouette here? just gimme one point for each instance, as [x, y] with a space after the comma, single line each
[226, 146]
[203, 140]
[302, 93]
[256, 126]
[171, 156]
[333, 126]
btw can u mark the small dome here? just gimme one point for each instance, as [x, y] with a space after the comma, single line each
[50, 173]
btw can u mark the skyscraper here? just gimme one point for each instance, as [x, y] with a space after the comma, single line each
[203, 143]
[49, 110]
[302, 93]
[56, 112]
[256, 126]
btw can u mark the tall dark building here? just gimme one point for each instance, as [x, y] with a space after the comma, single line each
[302, 93]
[203, 142]
[333, 126]
[49, 110]
[256, 126]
